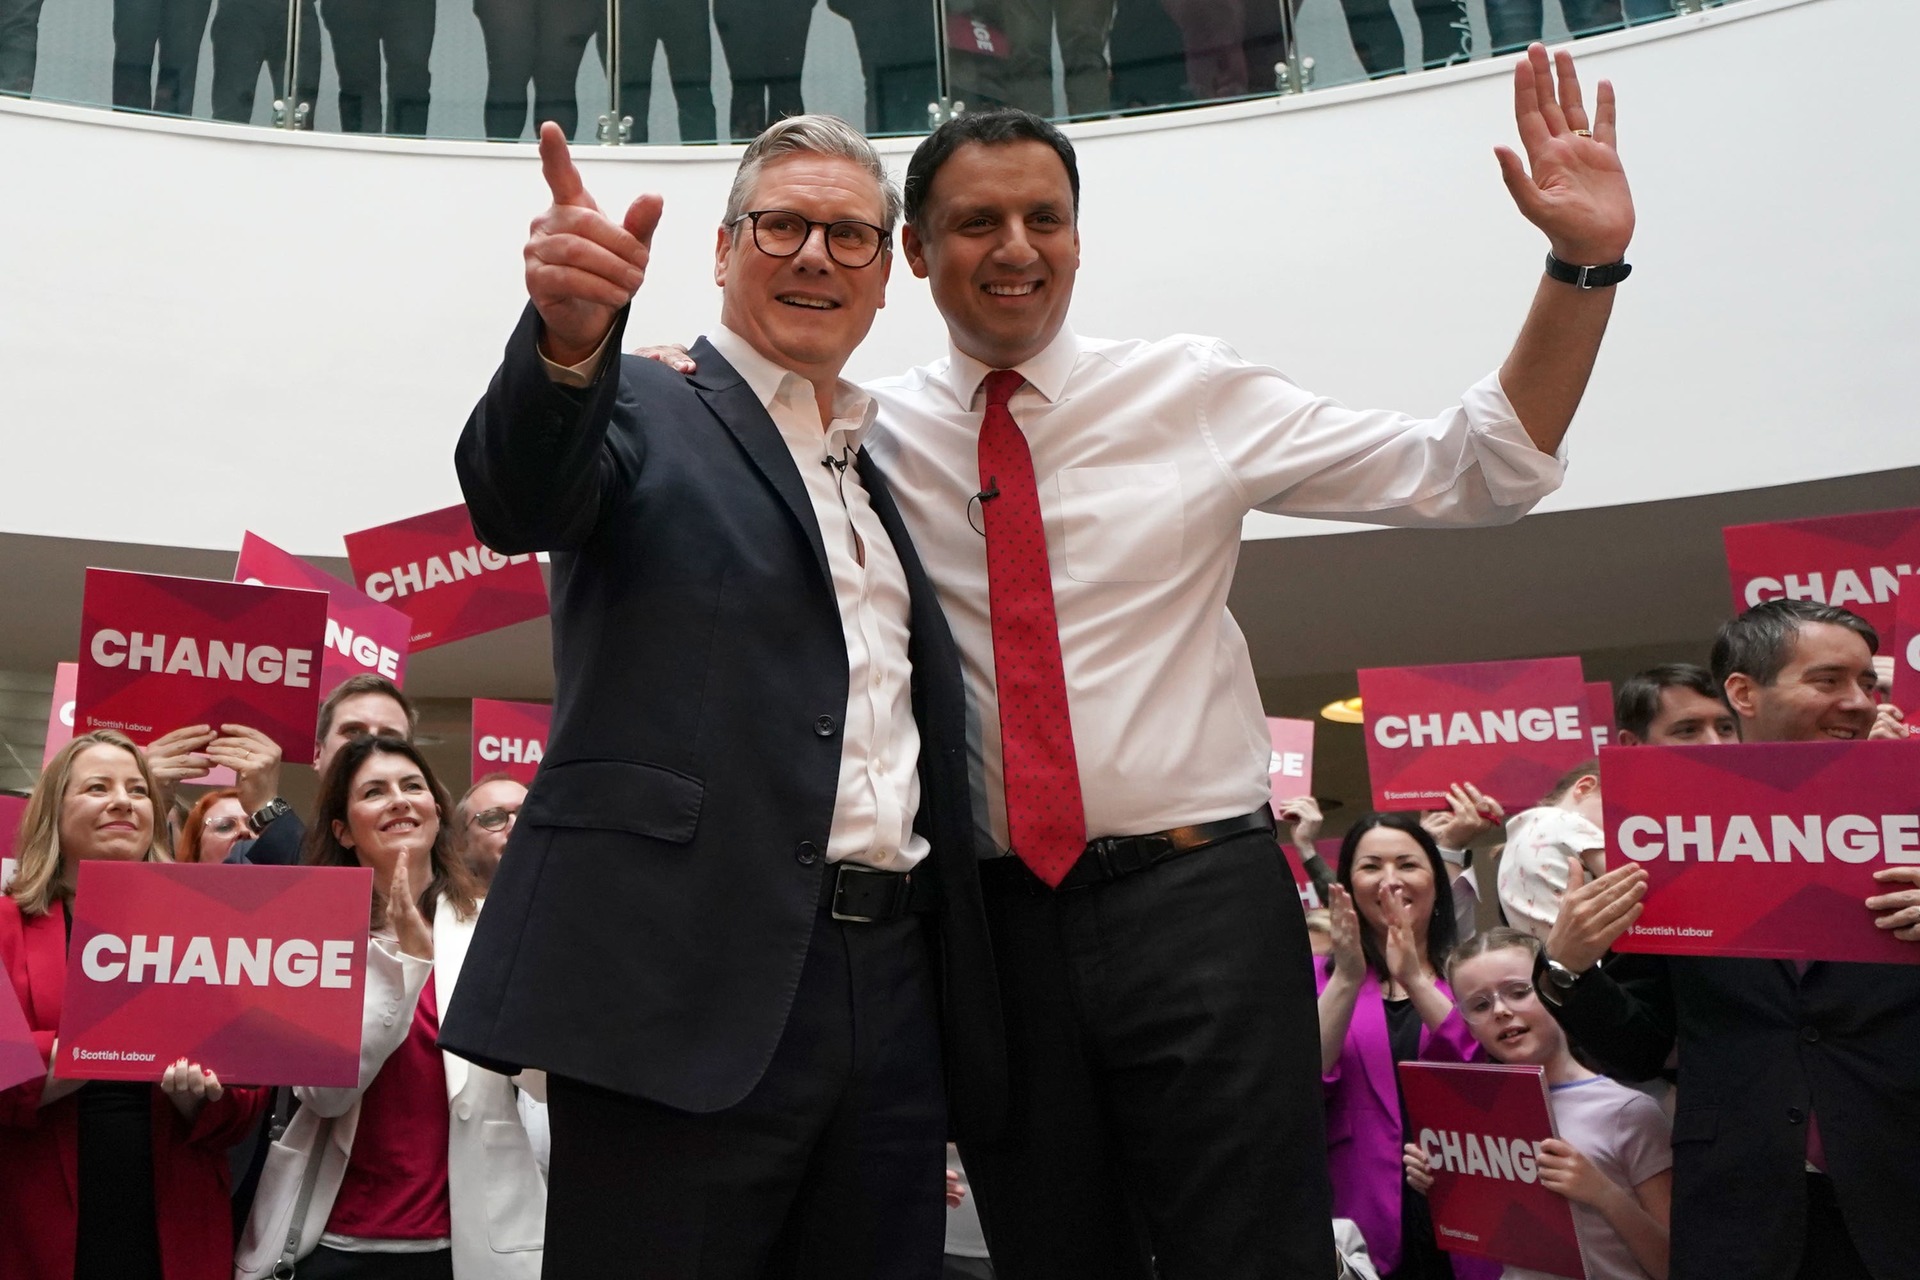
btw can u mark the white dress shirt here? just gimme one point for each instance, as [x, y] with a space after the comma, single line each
[880, 741]
[1148, 455]
[879, 792]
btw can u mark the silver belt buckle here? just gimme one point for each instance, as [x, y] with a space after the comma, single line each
[860, 869]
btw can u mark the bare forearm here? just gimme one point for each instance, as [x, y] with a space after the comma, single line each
[1546, 373]
[1646, 1237]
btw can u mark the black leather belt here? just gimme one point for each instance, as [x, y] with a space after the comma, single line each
[1111, 857]
[867, 895]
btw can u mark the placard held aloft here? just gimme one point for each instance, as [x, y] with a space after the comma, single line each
[435, 569]
[364, 637]
[159, 652]
[1510, 728]
[509, 738]
[1766, 848]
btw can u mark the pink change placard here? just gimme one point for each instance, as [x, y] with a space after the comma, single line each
[1481, 1125]
[509, 737]
[1764, 849]
[255, 972]
[159, 652]
[1855, 561]
[1290, 767]
[364, 637]
[435, 569]
[1600, 725]
[1905, 649]
[60, 713]
[20, 1059]
[12, 810]
[1510, 728]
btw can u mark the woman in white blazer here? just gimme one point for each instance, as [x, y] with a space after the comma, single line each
[423, 1171]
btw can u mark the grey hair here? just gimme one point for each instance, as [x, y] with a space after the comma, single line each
[819, 135]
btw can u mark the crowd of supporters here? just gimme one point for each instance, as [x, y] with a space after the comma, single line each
[433, 1166]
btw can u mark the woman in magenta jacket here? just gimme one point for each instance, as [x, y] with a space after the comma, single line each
[1382, 1001]
[103, 1178]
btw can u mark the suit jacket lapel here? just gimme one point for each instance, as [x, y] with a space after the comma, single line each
[733, 402]
[451, 935]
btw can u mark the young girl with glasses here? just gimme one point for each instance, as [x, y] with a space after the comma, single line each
[1613, 1159]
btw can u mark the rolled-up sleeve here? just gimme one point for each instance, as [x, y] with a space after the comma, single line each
[1294, 453]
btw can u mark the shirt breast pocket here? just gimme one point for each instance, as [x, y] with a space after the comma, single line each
[1122, 524]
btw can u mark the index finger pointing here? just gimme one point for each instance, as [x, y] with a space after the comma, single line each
[556, 164]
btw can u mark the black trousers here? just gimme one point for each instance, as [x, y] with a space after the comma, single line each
[764, 41]
[334, 1264]
[833, 1166]
[1444, 34]
[361, 30]
[681, 27]
[1830, 1253]
[897, 51]
[538, 40]
[248, 34]
[173, 29]
[19, 45]
[1166, 1115]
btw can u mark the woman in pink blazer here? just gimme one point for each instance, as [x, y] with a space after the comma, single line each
[1382, 1001]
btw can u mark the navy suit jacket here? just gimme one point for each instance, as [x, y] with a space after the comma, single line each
[648, 923]
[1761, 1047]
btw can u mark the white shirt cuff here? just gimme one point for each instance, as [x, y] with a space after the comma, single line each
[578, 375]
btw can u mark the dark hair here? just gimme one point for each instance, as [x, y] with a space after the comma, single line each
[353, 686]
[1440, 928]
[452, 880]
[1591, 769]
[993, 128]
[1759, 643]
[1637, 701]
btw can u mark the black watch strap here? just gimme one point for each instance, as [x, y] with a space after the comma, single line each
[1601, 277]
[260, 819]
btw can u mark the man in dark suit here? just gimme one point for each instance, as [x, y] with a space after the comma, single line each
[1799, 1094]
[740, 908]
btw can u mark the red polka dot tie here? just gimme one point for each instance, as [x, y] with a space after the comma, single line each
[1046, 821]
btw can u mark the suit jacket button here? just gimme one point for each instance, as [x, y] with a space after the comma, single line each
[1810, 1034]
[807, 854]
[825, 726]
[1795, 1115]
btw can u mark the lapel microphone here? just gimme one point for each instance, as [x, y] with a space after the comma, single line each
[991, 492]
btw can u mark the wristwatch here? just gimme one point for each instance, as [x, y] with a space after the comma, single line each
[1601, 277]
[260, 819]
[1557, 981]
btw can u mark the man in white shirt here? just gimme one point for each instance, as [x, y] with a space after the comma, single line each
[1165, 1110]
[739, 912]
[1078, 504]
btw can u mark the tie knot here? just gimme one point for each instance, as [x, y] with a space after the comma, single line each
[1001, 384]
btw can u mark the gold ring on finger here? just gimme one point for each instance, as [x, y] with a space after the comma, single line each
[1583, 133]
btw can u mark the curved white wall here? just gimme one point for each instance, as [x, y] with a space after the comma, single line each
[204, 328]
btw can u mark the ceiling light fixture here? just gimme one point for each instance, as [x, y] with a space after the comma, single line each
[1344, 711]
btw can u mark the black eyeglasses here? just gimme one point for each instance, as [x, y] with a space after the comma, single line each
[781, 233]
[496, 818]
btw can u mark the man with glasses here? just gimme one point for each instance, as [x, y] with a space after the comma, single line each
[748, 841]
[1165, 1117]
[484, 819]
